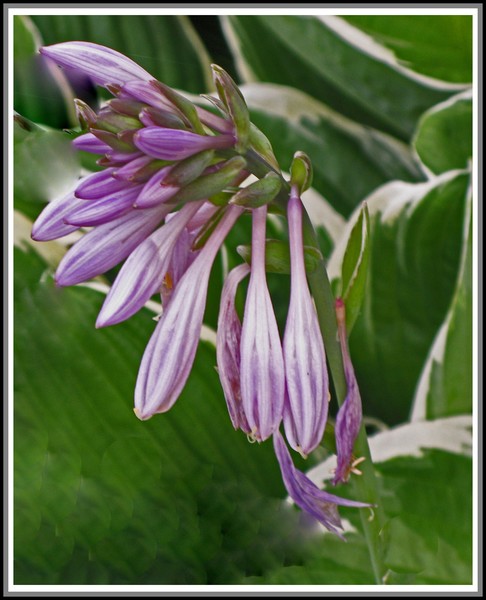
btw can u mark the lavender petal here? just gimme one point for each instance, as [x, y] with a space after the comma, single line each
[105, 246]
[103, 65]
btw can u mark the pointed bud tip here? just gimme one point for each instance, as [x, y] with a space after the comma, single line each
[139, 415]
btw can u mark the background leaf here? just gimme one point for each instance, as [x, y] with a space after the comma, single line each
[436, 45]
[104, 498]
[39, 93]
[445, 386]
[444, 136]
[323, 57]
[355, 267]
[45, 166]
[417, 239]
[294, 121]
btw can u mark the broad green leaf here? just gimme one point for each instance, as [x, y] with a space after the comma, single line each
[355, 267]
[328, 59]
[38, 92]
[416, 245]
[349, 160]
[101, 497]
[45, 165]
[166, 46]
[277, 256]
[445, 387]
[444, 136]
[436, 45]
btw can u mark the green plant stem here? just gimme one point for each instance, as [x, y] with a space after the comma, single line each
[365, 486]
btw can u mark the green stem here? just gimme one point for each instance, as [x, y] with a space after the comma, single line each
[365, 486]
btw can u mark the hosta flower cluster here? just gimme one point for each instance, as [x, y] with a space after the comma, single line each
[169, 192]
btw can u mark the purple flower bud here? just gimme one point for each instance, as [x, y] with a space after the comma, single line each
[103, 65]
[97, 212]
[262, 366]
[170, 353]
[51, 224]
[105, 246]
[98, 185]
[228, 348]
[305, 412]
[319, 504]
[176, 144]
[90, 143]
[155, 192]
[348, 420]
[142, 274]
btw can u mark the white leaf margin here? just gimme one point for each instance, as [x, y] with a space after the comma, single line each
[450, 434]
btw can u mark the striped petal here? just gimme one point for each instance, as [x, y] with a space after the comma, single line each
[103, 65]
[142, 274]
[105, 246]
[110, 207]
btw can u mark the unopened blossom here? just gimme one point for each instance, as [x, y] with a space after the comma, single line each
[262, 365]
[170, 353]
[348, 420]
[228, 353]
[321, 505]
[306, 408]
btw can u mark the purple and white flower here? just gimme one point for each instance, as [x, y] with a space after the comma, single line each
[262, 365]
[305, 411]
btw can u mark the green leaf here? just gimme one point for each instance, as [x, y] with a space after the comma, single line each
[149, 40]
[416, 245]
[101, 497]
[355, 267]
[335, 145]
[37, 94]
[444, 136]
[445, 387]
[436, 45]
[426, 540]
[327, 58]
[430, 532]
[45, 166]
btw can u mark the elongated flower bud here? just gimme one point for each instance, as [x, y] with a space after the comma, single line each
[305, 413]
[228, 348]
[262, 367]
[168, 358]
[319, 504]
[103, 65]
[177, 144]
[348, 420]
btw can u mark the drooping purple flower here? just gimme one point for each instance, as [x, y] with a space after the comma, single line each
[170, 353]
[321, 505]
[228, 356]
[262, 366]
[306, 408]
[348, 420]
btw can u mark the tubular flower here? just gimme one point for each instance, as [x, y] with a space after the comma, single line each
[305, 411]
[348, 420]
[228, 352]
[262, 366]
[168, 358]
[167, 195]
[319, 504]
